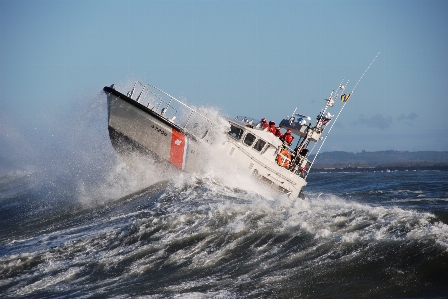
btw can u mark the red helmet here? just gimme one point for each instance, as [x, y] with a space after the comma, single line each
[263, 119]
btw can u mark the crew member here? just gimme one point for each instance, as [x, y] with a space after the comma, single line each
[303, 152]
[272, 128]
[287, 137]
[264, 124]
[278, 133]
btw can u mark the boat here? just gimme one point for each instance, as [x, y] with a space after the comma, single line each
[151, 121]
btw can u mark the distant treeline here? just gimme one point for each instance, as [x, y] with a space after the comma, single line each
[378, 158]
[398, 166]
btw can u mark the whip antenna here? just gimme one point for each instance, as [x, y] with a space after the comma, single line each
[363, 75]
[345, 99]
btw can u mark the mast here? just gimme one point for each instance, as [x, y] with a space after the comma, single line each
[301, 150]
[345, 100]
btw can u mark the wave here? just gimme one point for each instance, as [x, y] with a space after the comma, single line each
[195, 233]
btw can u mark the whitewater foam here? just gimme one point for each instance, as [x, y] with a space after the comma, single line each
[329, 217]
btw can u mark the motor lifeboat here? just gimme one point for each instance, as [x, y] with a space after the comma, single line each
[151, 121]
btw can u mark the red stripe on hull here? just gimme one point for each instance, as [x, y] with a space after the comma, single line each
[177, 148]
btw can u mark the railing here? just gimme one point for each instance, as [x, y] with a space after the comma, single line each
[172, 109]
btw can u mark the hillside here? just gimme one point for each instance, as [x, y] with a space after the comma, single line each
[382, 160]
[381, 157]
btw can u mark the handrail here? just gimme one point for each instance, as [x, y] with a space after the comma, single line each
[146, 89]
[173, 98]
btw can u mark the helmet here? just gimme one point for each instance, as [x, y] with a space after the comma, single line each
[272, 123]
[263, 119]
[289, 131]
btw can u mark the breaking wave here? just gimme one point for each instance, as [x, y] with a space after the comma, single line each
[195, 235]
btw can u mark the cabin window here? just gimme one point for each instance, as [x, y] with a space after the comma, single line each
[236, 132]
[249, 139]
[259, 145]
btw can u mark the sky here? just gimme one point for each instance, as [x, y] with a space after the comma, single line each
[254, 58]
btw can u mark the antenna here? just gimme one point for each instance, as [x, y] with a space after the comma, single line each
[363, 75]
[331, 127]
[334, 95]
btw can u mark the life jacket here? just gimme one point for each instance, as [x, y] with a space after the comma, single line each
[288, 138]
[272, 129]
[278, 133]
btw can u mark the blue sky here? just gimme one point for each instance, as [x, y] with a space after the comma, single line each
[255, 58]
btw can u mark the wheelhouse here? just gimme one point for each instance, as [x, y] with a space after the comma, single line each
[248, 138]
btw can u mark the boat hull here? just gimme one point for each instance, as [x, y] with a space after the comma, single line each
[133, 126]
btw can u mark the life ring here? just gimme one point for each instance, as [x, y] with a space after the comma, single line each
[281, 161]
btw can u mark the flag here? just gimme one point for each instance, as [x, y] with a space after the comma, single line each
[325, 121]
[345, 97]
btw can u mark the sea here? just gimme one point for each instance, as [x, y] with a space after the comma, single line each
[86, 224]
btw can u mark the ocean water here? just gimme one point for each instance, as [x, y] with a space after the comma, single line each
[79, 222]
[356, 235]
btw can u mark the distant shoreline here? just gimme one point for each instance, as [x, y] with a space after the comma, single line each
[396, 166]
[388, 160]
